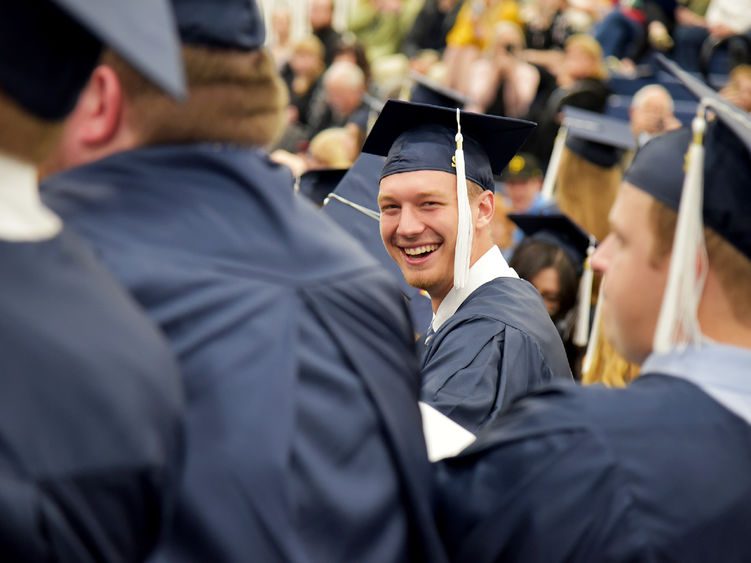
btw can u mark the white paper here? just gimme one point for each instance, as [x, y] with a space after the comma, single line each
[443, 437]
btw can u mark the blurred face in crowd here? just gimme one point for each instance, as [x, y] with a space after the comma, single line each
[522, 193]
[419, 225]
[508, 44]
[305, 62]
[579, 63]
[548, 283]
[321, 13]
[652, 116]
[634, 279]
[343, 97]
[281, 23]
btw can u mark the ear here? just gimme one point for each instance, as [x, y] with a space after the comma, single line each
[100, 107]
[485, 209]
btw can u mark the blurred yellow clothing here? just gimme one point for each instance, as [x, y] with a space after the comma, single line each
[476, 20]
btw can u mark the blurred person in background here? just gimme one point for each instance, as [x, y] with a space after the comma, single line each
[302, 74]
[503, 84]
[281, 41]
[472, 35]
[321, 17]
[381, 25]
[432, 25]
[651, 113]
[546, 26]
[738, 89]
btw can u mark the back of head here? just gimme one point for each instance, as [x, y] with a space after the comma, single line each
[235, 93]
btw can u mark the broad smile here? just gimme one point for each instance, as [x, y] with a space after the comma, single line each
[416, 255]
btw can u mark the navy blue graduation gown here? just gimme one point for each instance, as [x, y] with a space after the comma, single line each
[90, 411]
[499, 345]
[305, 441]
[656, 472]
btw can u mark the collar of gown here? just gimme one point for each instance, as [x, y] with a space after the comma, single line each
[23, 217]
[489, 266]
[721, 371]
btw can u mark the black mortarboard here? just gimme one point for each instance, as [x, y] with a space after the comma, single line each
[49, 48]
[422, 137]
[597, 138]
[230, 24]
[354, 206]
[317, 184]
[558, 229]
[428, 91]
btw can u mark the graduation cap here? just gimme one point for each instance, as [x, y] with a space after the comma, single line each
[317, 184]
[354, 206]
[559, 229]
[229, 24]
[428, 91]
[524, 166]
[472, 146]
[597, 138]
[50, 47]
[713, 191]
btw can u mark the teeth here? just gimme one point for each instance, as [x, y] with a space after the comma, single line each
[420, 249]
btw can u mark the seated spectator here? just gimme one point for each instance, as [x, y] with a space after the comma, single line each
[581, 84]
[302, 75]
[321, 16]
[343, 104]
[432, 25]
[738, 88]
[651, 113]
[352, 51]
[281, 40]
[546, 25]
[724, 18]
[382, 25]
[331, 148]
[472, 34]
[503, 84]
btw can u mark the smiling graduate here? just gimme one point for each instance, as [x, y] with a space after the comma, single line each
[491, 338]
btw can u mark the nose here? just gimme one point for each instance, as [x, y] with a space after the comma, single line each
[410, 225]
[600, 260]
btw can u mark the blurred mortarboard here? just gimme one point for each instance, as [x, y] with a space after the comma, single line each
[354, 206]
[229, 24]
[428, 91]
[557, 229]
[597, 138]
[317, 184]
[522, 167]
[714, 174]
[49, 48]
[422, 137]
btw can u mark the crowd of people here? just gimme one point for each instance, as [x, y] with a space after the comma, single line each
[201, 365]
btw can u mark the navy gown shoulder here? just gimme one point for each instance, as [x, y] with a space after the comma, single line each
[655, 472]
[91, 411]
[499, 345]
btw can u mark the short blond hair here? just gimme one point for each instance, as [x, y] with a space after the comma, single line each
[589, 45]
[234, 96]
[732, 268]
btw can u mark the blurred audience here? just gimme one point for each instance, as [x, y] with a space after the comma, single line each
[302, 75]
[432, 25]
[280, 45]
[547, 26]
[382, 25]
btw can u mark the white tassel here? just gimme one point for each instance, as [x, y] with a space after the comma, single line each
[584, 301]
[548, 184]
[464, 230]
[678, 322]
[594, 340]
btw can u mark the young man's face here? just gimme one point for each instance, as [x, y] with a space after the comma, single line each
[419, 225]
[634, 280]
[523, 193]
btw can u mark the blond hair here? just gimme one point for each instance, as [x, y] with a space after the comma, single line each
[589, 45]
[333, 147]
[732, 268]
[234, 96]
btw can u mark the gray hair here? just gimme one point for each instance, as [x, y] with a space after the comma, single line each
[649, 91]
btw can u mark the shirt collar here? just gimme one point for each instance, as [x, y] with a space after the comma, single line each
[489, 266]
[23, 217]
[721, 371]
